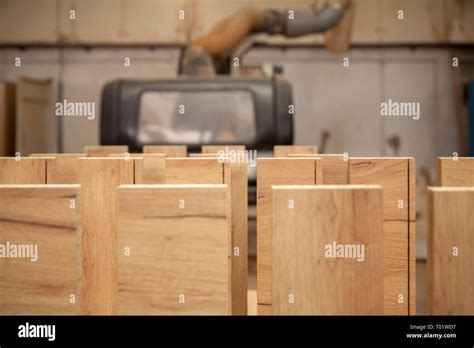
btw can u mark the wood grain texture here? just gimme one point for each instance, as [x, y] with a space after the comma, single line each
[274, 171]
[323, 215]
[213, 149]
[61, 168]
[40, 215]
[174, 251]
[194, 171]
[335, 167]
[450, 225]
[285, 150]
[456, 173]
[100, 178]
[7, 119]
[412, 261]
[23, 171]
[104, 150]
[168, 150]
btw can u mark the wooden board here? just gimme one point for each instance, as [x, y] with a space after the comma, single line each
[41, 217]
[104, 150]
[305, 279]
[61, 168]
[335, 167]
[285, 150]
[148, 168]
[275, 171]
[168, 150]
[7, 119]
[99, 179]
[450, 225]
[22, 171]
[216, 148]
[174, 251]
[458, 172]
[194, 171]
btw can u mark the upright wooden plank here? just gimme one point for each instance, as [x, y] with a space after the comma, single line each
[168, 150]
[274, 171]
[104, 150]
[7, 119]
[99, 179]
[41, 221]
[148, 168]
[285, 150]
[178, 238]
[213, 149]
[194, 171]
[335, 167]
[412, 235]
[22, 170]
[456, 171]
[450, 246]
[61, 168]
[310, 275]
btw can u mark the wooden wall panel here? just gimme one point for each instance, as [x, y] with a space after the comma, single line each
[458, 172]
[335, 167]
[174, 251]
[285, 150]
[194, 171]
[450, 225]
[304, 280]
[61, 168]
[23, 171]
[104, 150]
[99, 179]
[168, 150]
[40, 216]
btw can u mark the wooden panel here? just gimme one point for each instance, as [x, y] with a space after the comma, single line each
[335, 167]
[168, 150]
[264, 309]
[285, 150]
[274, 171]
[104, 150]
[307, 276]
[7, 119]
[458, 172]
[61, 168]
[150, 169]
[23, 171]
[216, 148]
[450, 277]
[100, 178]
[174, 251]
[40, 219]
[412, 275]
[194, 171]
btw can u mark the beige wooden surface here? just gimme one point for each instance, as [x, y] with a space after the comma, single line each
[458, 172]
[104, 150]
[40, 215]
[22, 171]
[61, 168]
[301, 270]
[216, 148]
[194, 171]
[168, 150]
[150, 169]
[335, 167]
[450, 225]
[412, 235]
[174, 251]
[285, 150]
[275, 171]
[99, 179]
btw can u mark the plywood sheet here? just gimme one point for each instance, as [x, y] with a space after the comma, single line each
[179, 261]
[40, 218]
[168, 150]
[285, 150]
[307, 277]
[22, 170]
[459, 172]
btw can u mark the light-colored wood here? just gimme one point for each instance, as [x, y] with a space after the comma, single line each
[275, 171]
[41, 217]
[456, 172]
[214, 149]
[99, 179]
[22, 170]
[104, 150]
[7, 119]
[335, 167]
[61, 168]
[412, 261]
[285, 150]
[302, 270]
[194, 171]
[168, 150]
[150, 169]
[264, 309]
[450, 225]
[174, 251]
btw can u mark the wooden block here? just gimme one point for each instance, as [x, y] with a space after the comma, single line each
[335, 167]
[100, 178]
[61, 168]
[450, 225]
[305, 268]
[39, 216]
[285, 150]
[274, 171]
[23, 171]
[104, 150]
[412, 258]
[168, 150]
[150, 169]
[456, 173]
[194, 171]
[174, 251]
[214, 149]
